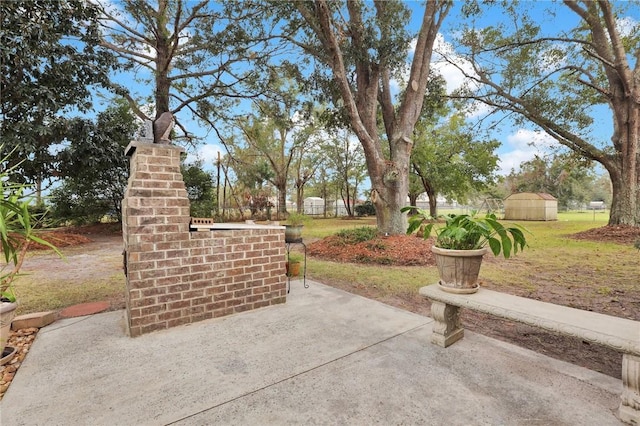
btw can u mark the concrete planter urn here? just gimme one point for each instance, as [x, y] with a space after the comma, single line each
[7, 314]
[458, 269]
[460, 243]
[293, 227]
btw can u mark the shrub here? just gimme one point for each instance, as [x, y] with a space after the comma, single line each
[366, 209]
[357, 235]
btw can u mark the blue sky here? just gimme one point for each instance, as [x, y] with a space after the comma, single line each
[520, 144]
[516, 141]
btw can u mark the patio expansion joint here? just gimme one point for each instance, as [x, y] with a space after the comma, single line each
[301, 373]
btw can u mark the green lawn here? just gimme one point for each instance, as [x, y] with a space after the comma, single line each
[554, 266]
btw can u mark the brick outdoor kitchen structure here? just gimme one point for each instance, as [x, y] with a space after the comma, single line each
[178, 273]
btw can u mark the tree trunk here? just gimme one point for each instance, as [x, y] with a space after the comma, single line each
[431, 193]
[346, 200]
[413, 198]
[625, 204]
[162, 61]
[282, 198]
[390, 188]
[300, 196]
[433, 203]
[369, 93]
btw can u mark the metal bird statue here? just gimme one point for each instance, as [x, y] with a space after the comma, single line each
[162, 127]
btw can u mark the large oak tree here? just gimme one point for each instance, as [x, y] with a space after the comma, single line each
[361, 46]
[565, 82]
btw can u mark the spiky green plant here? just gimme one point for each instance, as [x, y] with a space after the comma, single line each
[16, 231]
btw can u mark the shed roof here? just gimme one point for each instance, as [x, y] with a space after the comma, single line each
[531, 196]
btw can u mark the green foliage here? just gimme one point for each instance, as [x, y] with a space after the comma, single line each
[297, 219]
[295, 257]
[569, 179]
[468, 232]
[49, 59]
[449, 160]
[71, 204]
[366, 209]
[357, 235]
[95, 166]
[200, 190]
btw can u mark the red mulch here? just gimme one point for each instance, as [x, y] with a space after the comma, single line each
[73, 236]
[400, 250]
[59, 239]
[619, 234]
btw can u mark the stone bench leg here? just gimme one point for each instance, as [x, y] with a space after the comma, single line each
[447, 328]
[629, 411]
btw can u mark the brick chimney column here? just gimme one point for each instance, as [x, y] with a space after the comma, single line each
[155, 220]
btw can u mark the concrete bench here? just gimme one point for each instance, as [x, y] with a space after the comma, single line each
[621, 334]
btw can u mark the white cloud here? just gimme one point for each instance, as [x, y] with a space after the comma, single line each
[627, 26]
[412, 46]
[208, 154]
[512, 160]
[535, 139]
[452, 67]
[454, 78]
[524, 145]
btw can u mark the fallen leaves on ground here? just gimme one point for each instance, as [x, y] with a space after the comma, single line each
[398, 250]
[619, 234]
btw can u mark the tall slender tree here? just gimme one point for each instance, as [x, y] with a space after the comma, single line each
[345, 159]
[448, 160]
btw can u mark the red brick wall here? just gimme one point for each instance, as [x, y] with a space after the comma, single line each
[176, 276]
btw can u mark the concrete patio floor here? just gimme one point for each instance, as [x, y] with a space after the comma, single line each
[324, 357]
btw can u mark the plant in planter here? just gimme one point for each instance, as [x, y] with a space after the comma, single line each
[462, 241]
[293, 227]
[294, 261]
[16, 233]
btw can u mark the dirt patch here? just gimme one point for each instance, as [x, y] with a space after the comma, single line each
[100, 255]
[74, 236]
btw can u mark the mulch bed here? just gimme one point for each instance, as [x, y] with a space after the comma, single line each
[620, 234]
[397, 250]
[74, 236]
